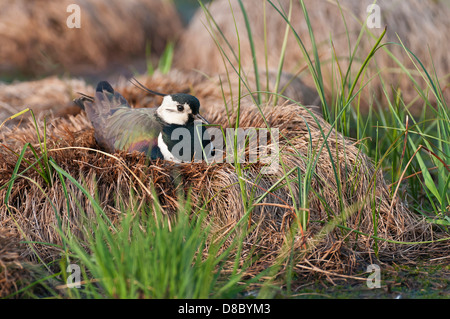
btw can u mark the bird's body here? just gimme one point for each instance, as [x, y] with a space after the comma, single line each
[156, 132]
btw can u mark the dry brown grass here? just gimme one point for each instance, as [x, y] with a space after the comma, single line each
[419, 24]
[51, 96]
[329, 250]
[36, 40]
[215, 186]
[12, 270]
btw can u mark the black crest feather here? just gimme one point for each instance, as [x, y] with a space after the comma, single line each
[142, 87]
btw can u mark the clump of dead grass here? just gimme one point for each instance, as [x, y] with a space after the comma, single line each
[36, 39]
[116, 179]
[13, 274]
[50, 96]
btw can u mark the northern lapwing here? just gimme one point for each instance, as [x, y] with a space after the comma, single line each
[169, 131]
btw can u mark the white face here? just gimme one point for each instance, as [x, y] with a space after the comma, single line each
[169, 112]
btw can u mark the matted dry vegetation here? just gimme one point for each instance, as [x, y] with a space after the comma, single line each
[215, 186]
[417, 24]
[36, 40]
[51, 96]
[12, 270]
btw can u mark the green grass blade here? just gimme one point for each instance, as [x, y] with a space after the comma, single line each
[252, 48]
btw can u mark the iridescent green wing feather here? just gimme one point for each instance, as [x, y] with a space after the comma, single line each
[133, 130]
[98, 109]
[119, 127]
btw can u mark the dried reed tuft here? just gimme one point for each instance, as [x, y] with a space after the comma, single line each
[46, 97]
[36, 39]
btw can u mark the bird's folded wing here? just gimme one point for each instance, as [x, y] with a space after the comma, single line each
[132, 130]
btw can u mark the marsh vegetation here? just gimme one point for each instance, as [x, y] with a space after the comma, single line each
[363, 176]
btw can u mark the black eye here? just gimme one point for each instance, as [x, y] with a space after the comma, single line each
[180, 107]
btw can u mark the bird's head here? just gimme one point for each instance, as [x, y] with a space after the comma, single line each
[179, 108]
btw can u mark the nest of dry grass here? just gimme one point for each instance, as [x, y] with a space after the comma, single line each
[113, 178]
[36, 40]
[414, 21]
